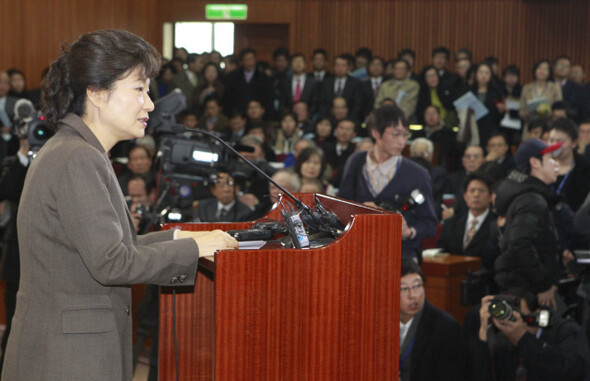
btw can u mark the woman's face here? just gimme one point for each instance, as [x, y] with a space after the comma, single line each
[288, 125]
[310, 169]
[542, 72]
[323, 129]
[483, 75]
[210, 74]
[431, 78]
[17, 83]
[167, 76]
[123, 111]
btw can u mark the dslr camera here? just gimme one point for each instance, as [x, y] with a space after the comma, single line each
[502, 307]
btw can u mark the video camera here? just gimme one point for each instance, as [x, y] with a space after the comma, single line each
[502, 307]
[28, 124]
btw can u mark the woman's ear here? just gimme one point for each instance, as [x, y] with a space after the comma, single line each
[98, 98]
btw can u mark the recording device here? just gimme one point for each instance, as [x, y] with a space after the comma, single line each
[31, 126]
[250, 234]
[414, 199]
[502, 307]
[296, 230]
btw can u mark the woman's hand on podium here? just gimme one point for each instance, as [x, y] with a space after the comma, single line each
[210, 241]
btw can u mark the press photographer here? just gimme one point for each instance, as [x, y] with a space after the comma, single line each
[519, 340]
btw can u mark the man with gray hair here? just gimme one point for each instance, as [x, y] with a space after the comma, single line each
[421, 151]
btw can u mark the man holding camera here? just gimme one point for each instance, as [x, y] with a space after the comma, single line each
[518, 340]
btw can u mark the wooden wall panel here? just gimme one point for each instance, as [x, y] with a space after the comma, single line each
[32, 31]
[516, 31]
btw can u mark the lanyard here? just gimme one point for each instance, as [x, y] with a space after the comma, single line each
[562, 183]
[404, 359]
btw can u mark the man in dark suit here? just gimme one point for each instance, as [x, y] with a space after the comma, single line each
[572, 92]
[468, 231]
[245, 84]
[440, 58]
[342, 85]
[297, 86]
[338, 152]
[188, 79]
[223, 207]
[7, 102]
[370, 87]
[8, 141]
[13, 170]
[431, 341]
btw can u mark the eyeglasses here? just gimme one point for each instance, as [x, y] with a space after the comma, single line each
[223, 182]
[398, 135]
[470, 157]
[414, 288]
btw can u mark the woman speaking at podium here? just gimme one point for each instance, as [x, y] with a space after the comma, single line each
[78, 248]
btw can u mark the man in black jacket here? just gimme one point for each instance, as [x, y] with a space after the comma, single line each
[431, 342]
[529, 252]
[519, 351]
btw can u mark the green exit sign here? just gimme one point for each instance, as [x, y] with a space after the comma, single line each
[226, 12]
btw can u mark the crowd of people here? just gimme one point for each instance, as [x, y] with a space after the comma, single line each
[503, 170]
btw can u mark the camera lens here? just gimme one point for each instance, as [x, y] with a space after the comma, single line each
[500, 309]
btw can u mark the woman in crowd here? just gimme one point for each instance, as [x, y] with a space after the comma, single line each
[431, 93]
[487, 91]
[211, 86]
[287, 136]
[78, 248]
[538, 96]
[167, 72]
[311, 166]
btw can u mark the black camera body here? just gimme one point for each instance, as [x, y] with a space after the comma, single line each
[502, 307]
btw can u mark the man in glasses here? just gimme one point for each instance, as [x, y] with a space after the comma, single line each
[382, 177]
[223, 206]
[431, 342]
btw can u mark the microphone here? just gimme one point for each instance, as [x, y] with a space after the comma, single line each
[293, 221]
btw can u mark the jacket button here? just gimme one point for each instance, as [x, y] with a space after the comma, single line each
[174, 279]
[183, 277]
[127, 310]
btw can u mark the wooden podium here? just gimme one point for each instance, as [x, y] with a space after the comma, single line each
[284, 314]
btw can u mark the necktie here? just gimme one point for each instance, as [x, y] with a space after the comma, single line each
[223, 214]
[375, 88]
[248, 77]
[297, 95]
[339, 88]
[470, 233]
